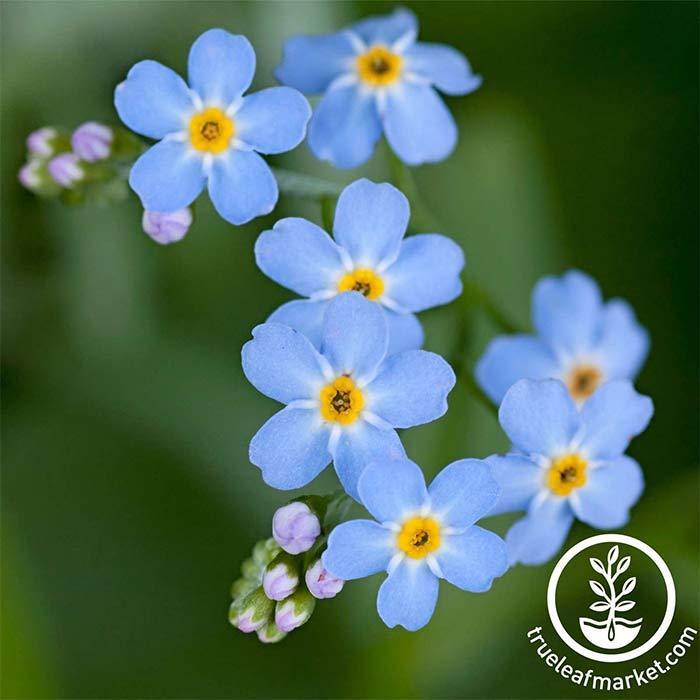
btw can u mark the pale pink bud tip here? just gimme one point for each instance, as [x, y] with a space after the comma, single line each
[92, 141]
[29, 175]
[39, 142]
[65, 169]
[295, 527]
[169, 227]
[321, 583]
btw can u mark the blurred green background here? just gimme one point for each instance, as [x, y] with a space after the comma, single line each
[127, 498]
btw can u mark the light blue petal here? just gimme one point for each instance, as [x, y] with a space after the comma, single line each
[153, 100]
[221, 67]
[611, 417]
[538, 536]
[408, 596]
[345, 127]
[508, 358]
[623, 344]
[386, 29]
[291, 448]
[392, 490]
[355, 335]
[405, 332]
[242, 186]
[472, 560]
[311, 63]
[418, 125]
[300, 256]
[519, 478]
[566, 311]
[609, 492]
[370, 221]
[167, 177]
[411, 388]
[273, 120]
[445, 67]
[463, 492]
[361, 444]
[358, 548]
[426, 273]
[304, 316]
[539, 416]
[282, 363]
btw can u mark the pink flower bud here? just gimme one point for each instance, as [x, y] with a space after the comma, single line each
[322, 584]
[281, 577]
[29, 175]
[295, 527]
[294, 611]
[40, 142]
[92, 142]
[65, 169]
[169, 227]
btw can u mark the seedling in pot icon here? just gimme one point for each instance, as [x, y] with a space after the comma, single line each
[615, 631]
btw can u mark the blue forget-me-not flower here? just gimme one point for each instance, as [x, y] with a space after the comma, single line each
[208, 133]
[420, 536]
[342, 403]
[376, 78]
[580, 340]
[568, 462]
[369, 255]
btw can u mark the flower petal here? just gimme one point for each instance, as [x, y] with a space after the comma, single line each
[508, 358]
[167, 177]
[426, 273]
[386, 29]
[370, 221]
[418, 125]
[445, 67]
[408, 596]
[519, 479]
[405, 332]
[463, 492]
[611, 417]
[312, 63]
[609, 492]
[623, 344]
[361, 444]
[273, 120]
[345, 127]
[302, 315]
[221, 67]
[358, 548]
[539, 416]
[566, 312]
[242, 186]
[153, 100]
[355, 335]
[300, 256]
[282, 363]
[392, 490]
[472, 559]
[411, 388]
[538, 536]
[291, 448]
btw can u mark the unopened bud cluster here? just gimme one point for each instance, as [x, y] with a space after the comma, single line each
[282, 580]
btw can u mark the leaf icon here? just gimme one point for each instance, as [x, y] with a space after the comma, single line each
[598, 589]
[623, 565]
[625, 605]
[599, 606]
[613, 554]
[598, 566]
[628, 586]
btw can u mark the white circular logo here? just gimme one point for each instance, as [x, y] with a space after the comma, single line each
[610, 623]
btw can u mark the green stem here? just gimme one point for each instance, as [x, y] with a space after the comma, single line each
[475, 294]
[327, 212]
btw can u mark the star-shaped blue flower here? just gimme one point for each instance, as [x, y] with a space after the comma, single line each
[420, 536]
[567, 463]
[369, 255]
[376, 78]
[580, 340]
[342, 403]
[209, 133]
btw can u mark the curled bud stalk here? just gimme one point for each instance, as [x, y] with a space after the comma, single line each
[92, 142]
[167, 228]
[65, 169]
[252, 612]
[281, 577]
[295, 527]
[294, 611]
[321, 583]
[271, 633]
[42, 142]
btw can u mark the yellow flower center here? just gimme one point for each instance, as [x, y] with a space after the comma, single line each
[379, 66]
[566, 474]
[583, 380]
[211, 130]
[419, 537]
[341, 401]
[362, 280]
